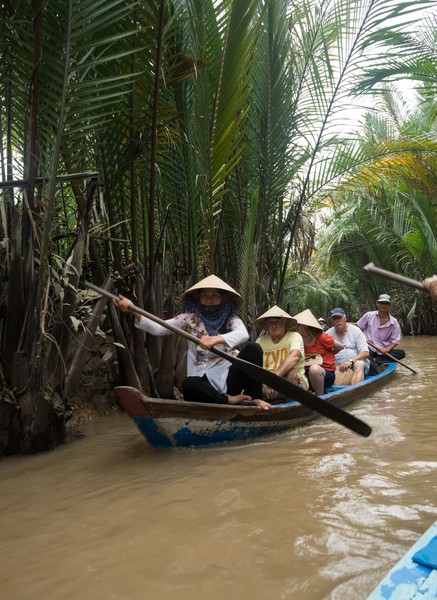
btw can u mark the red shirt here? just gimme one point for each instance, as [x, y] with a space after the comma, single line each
[323, 345]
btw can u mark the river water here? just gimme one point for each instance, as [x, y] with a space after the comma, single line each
[315, 513]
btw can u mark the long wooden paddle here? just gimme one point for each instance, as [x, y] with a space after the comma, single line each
[391, 356]
[281, 385]
[370, 268]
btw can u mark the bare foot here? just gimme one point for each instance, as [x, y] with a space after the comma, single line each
[262, 404]
[239, 398]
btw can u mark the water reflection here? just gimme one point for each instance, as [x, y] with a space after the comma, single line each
[316, 513]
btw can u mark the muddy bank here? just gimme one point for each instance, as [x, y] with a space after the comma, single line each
[94, 397]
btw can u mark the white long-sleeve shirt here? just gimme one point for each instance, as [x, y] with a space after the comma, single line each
[200, 361]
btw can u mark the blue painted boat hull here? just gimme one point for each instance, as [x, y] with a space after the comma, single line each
[409, 580]
[172, 423]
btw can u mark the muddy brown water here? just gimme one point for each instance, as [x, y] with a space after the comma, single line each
[315, 513]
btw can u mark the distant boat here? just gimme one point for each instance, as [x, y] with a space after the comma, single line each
[174, 423]
[414, 577]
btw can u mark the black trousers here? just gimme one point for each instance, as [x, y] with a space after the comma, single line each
[199, 389]
[397, 353]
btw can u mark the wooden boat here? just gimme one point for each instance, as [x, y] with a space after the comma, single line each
[415, 575]
[172, 423]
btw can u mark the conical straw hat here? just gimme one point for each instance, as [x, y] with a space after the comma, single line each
[275, 311]
[212, 281]
[307, 318]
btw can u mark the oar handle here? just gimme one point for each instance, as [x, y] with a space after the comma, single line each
[370, 268]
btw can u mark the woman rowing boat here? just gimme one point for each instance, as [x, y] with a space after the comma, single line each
[210, 314]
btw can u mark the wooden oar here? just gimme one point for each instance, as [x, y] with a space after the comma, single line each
[281, 385]
[370, 268]
[391, 356]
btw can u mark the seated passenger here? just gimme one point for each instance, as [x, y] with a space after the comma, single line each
[317, 342]
[382, 331]
[352, 363]
[283, 351]
[323, 324]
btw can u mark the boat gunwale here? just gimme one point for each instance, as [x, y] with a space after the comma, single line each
[206, 410]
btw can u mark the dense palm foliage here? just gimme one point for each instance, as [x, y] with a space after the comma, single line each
[385, 211]
[165, 140]
[387, 214]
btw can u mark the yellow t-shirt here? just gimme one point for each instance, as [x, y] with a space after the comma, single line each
[275, 354]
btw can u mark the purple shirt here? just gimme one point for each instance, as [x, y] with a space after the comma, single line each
[380, 335]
